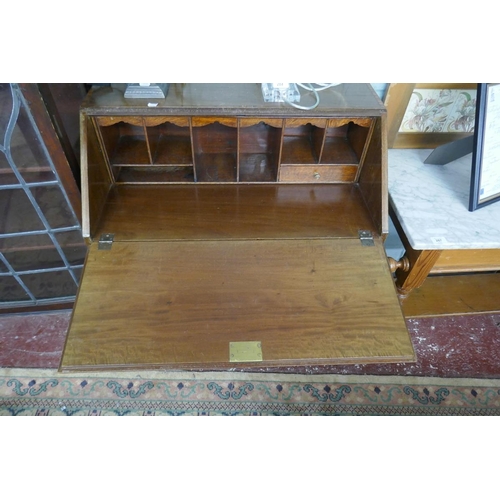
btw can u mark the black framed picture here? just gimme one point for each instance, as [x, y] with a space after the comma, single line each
[485, 178]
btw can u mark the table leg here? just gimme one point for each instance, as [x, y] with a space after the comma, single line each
[421, 263]
[418, 263]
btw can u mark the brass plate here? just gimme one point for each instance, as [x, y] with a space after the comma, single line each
[240, 352]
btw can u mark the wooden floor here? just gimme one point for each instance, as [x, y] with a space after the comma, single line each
[455, 294]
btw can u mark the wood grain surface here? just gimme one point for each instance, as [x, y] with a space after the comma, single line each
[455, 294]
[179, 304]
[233, 211]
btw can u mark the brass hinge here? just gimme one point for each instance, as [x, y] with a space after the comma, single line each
[366, 238]
[105, 241]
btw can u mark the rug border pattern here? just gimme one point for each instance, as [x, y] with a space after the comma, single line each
[49, 393]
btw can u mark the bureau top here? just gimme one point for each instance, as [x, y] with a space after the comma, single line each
[235, 99]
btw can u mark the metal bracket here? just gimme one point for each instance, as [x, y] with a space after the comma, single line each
[366, 238]
[105, 241]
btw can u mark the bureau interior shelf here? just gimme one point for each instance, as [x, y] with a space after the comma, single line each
[259, 148]
[214, 149]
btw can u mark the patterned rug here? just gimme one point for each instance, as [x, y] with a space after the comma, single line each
[49, 393]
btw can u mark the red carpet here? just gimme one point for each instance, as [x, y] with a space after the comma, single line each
[446, 346]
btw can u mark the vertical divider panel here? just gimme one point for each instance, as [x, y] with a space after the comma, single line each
[238, 123]
[318, 134]
[193, 151]
[152, 132]
[280, 149]
[279, 124]
[365, 149]
[98, 124]
[148, 144]
[373, 182]
[97, 178]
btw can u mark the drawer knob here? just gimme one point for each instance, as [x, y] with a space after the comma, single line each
[317, 175]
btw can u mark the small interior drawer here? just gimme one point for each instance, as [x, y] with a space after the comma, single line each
[318, 173]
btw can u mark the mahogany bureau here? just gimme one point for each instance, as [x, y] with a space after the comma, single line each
[225, 232]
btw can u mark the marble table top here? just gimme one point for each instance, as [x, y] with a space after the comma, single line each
[431, 203]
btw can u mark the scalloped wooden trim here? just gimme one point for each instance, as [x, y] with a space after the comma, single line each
[201, 121]
[106, 121]
[340, 122]
[299, 122]
[249, 122]
[153, 121]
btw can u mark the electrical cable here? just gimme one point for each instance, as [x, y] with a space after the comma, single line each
[322, 86]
